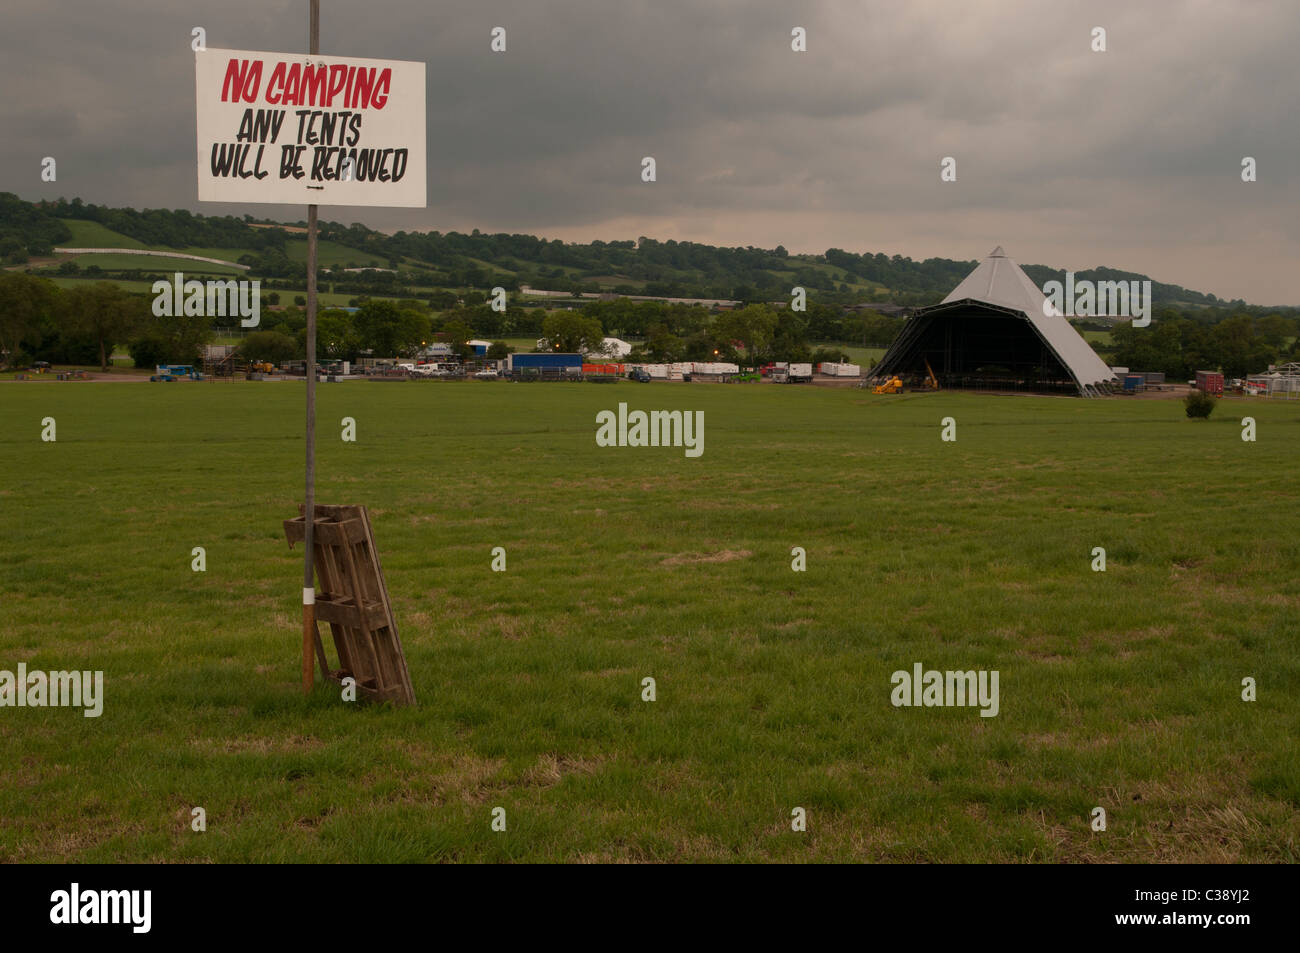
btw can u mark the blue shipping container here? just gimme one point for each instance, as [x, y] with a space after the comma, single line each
[545, 360]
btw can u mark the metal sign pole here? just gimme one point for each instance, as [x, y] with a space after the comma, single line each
[309, 516]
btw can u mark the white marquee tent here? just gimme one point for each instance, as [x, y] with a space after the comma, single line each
[996, 329]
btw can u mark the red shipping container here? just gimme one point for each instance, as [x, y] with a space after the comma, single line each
[1209, 382]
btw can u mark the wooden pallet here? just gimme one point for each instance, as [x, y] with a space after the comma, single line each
[352, 597]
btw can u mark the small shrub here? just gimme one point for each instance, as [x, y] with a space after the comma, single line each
[1199, 403]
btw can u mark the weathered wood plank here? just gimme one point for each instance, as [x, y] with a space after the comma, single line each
[352, 598]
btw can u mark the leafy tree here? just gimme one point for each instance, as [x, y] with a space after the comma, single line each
[662, 345]
[485, 321]
[525, 321]
[683, 319]
[1274, 330]
[104, 313]
[387, 331]
[572, 332]
[1241, 351]
[150, 350]
[788, 343]
[1171, 344]
[699, 347]
[753, 327]
[273, 346]
[26, 304]
[171, 340]
[499, 350]
[456, 332]
[68, 345]
[872, 328]
[31, 224]
[824, 322]
[336, 336]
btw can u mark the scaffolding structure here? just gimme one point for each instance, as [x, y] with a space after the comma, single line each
[1281, 382]
[221, 362]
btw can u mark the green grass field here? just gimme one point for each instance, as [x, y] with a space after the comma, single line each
[88, 234]
[857, 354]
[153, 264]
[330, 254]
[133, 286]
[1119, 689]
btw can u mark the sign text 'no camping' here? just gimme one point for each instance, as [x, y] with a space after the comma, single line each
[303, 129]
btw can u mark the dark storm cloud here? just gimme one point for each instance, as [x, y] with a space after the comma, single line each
[1067, 157]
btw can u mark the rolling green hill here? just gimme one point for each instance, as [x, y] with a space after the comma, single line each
[458, 261]
[330, 254]
[87, 234]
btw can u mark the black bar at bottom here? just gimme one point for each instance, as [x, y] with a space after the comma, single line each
[929, 903]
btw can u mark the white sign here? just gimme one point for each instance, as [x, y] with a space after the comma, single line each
[296, 129]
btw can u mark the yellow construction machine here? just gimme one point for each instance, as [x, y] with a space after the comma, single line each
[933, 382]
[895, 384]
[892, 386]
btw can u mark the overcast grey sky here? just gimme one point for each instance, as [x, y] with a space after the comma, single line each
[1129, 158]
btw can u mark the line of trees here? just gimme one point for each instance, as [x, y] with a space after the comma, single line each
[82, 325]
[41, 322]
[752, 335]
[1179, 346]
